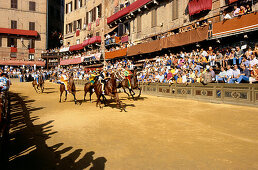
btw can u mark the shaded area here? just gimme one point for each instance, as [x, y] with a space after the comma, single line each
[28, 148]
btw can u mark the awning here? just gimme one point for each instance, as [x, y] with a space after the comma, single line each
[144, 48]
[176, 40]
[245, 23]
[196, 6]
[124, 39]
[18, 32]
[20, 63]
[231, 1]
[85, 43]
[32, 50]
[116, 54]
[193, 36]
[71, 61]
[96, 39]
[13, 50]
[65, 49]
[76, 47]
[134, 6]
[109, 30]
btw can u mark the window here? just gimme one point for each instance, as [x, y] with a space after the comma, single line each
[79, 3]
[79, 24]
[0, 41]
[74, 26]
[70, 27]
[99, 11]
[66, 8]
[69, 7]
[11, 42]
[139, 23]
[75, 4]
[31, 57]
[14, 4]
[154, 18]
[13, 24]
[94, 14]
[175, 9]
[32, 26]
[32, 44]
[87, 18]
[32, 6]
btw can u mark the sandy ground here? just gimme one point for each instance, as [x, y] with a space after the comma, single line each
[155, 133]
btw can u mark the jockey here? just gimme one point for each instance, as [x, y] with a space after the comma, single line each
[35, 76]
[127, 75]
[64, 79]
[102, 78]
[4, 82]
[92, 77]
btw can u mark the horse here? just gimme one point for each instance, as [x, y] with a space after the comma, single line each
[38, 85]
[70, 88]
[88, 87]
[110, 90]
[134, 85]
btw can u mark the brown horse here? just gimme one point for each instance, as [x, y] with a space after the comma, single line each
[88, 87]
[124, 84]
[39, 87]
[110, 90]
[70, 88]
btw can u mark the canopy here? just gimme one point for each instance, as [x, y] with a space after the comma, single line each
[115, 54]
[196, 6]
[71, 61]
[236, 25]
[176, 40]
[96, 39]
[18, 32]
[85, 43]
[134, 6]
[76, 47]
[231, 1]
[20, 63]
[64, 49]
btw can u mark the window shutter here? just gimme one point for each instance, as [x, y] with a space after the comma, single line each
[139, 23]
[175, 9]
[32, 6]
[31, 25]
[100, 11]
[87, 18]
[74, 26]
[0, 41]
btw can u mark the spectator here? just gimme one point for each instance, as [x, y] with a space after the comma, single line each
[236, 74]
[236, 11]
[244, 76]
[242, 10]
[248, 9]
[254, 75]
[222, 76]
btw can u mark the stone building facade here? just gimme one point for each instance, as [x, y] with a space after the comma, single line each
[22, 29]
[84, 19]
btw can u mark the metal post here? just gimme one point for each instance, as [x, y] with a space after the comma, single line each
[103, 32]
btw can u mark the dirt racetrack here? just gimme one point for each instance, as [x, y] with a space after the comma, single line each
[154, 134]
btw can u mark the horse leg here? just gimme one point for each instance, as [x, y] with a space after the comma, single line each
[139, 92]
[126, 92]
[85, 95]
[65, 95]
[61, 92]
[132, 93]
[90, 95]
[75, 101]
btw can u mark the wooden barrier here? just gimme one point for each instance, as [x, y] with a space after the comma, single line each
[239, 94]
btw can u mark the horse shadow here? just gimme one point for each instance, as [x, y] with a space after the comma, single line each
[27, 147]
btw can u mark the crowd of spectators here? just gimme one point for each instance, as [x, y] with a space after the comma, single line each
[238, 11]
[201, 66]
